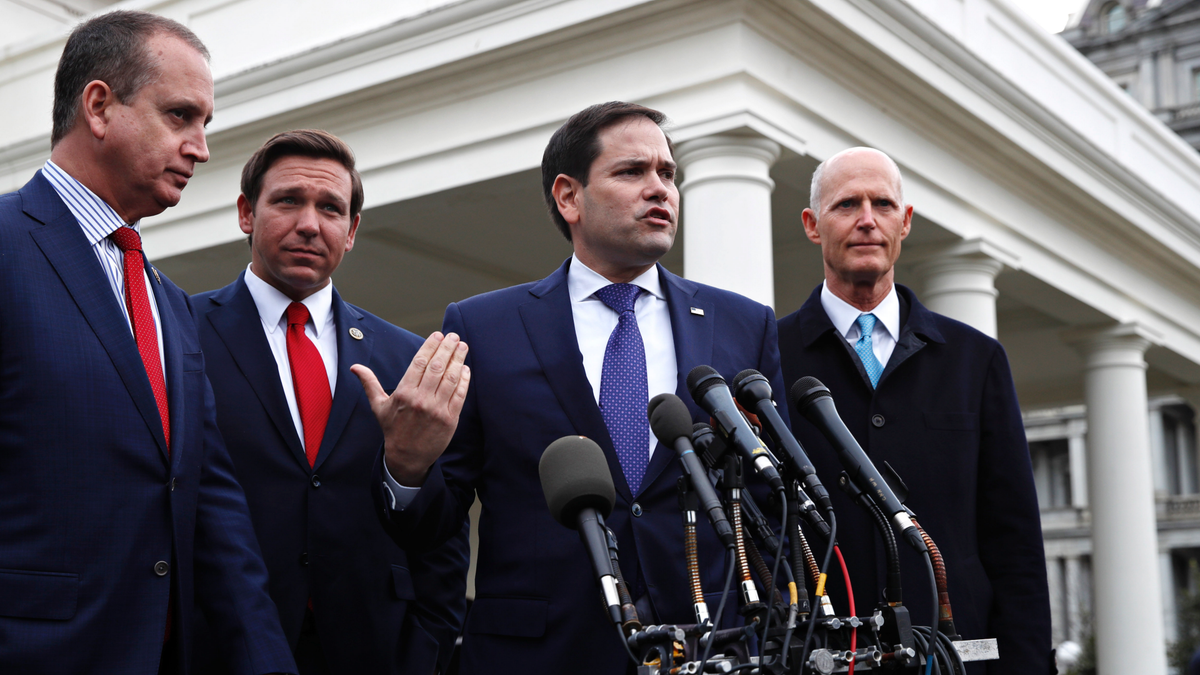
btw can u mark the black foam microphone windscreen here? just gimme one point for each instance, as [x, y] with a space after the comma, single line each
[575, 476]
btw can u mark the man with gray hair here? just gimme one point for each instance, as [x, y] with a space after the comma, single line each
[118, 503]
[933, 398]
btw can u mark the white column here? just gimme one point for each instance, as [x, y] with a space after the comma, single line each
[726, 195]
[1127, 602]
[1166, 572]
[1077, 454]
[1058, 599]
[960, 282]
[1075, 590]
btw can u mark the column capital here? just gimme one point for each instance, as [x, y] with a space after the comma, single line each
[976, 251]
[1122, 344]
[727, 157]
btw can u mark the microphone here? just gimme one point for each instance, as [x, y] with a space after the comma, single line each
[754, 393]
[710, 391]
[814, 401]
[579, 492]
[708, 446]
[672, 425]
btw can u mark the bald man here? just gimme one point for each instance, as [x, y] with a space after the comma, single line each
[933, 398]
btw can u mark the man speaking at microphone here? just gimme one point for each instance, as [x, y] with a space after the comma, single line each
[932, 397]
[581, 352]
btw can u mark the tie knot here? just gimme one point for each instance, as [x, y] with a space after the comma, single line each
[866, 324]
[619, 297]
[297, 313]
[126, 239]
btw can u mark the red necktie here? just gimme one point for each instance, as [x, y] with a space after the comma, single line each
[138, 304]
[310, 380]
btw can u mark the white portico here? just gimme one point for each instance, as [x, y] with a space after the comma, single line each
[1052, 211]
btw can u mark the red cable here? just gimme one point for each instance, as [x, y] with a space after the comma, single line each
[850, 593]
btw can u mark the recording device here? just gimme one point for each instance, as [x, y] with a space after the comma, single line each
[753, 391]
[580, 494]
[710, 391]
[672, 425]
[813, 400]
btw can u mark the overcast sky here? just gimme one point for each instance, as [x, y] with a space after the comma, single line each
[1051, 14]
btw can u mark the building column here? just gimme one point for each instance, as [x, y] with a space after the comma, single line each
[726, 195]
[1056, 584]
[1077, 454]
[1127, 601]
[1074, 602]
[960, 282]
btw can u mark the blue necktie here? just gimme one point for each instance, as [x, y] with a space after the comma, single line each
[623, 388]
[866, 351]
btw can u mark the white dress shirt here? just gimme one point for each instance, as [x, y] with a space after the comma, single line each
[594, 323]
[98, 220]
[272, 307]
[844, 317]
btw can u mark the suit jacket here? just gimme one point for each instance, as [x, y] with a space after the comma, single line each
[536, 607]
[945, 416]
[377, 610]
[90, 498]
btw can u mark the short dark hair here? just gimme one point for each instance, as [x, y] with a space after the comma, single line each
[313, 143]
[110, 48]
[576, 145]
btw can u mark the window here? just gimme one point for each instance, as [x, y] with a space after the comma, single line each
[1179, 449]
[1052, 472]
[1112, 18]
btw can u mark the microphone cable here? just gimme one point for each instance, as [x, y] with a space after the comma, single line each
[850, 593]
[775, 569]
[812, 619]
[730, 566]
[945, 622]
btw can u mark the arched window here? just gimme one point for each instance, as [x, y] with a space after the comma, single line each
[1112, 18]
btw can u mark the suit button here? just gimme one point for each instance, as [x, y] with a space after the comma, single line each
[636, 509]
[171, 485]
[877, 420]
[161, 568]
[304, 559]
[316, 481]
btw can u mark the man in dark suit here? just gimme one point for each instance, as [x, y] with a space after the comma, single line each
[118, 505]
[351, 601]
[580, 352]
[932, 397]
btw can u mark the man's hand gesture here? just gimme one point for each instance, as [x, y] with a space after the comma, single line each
[420, 417]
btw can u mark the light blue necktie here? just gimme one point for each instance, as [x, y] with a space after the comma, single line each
[623, 386]
[866, 351]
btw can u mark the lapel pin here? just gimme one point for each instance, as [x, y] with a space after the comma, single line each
[356, 333]
[156, 277]
[697, 311]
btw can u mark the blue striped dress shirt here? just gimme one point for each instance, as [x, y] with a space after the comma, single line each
[98, 220]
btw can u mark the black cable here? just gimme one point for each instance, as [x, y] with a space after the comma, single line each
[627, 649]
[774, 575]
[933, 631]
[720, 607]
[892, 589]
[812, 618]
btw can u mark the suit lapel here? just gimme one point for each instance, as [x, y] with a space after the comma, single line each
[550, 325]
[692, 334]
[236, 321]
[348, 391]
[66, 248]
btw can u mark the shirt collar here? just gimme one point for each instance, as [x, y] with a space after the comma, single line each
[843, 315]
[95, 216]
[272, 303]
[583, 282]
